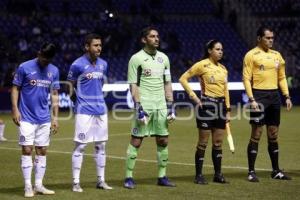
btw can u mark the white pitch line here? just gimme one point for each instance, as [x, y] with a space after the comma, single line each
[144, 160]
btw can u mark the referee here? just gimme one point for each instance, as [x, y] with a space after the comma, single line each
[263, 73]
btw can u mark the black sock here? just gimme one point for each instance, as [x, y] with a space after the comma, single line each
[199, 158]
[252, 153]
[217, 160]
[273, 152]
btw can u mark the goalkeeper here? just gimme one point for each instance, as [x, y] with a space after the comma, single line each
[212, 107]
[150, 85]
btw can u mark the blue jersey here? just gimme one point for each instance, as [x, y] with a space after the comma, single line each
[35, 83]
[89, 79]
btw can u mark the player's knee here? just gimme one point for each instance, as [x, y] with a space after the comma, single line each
[79, 148]
[273, 132]
[100, 147]
[27, 150]
[162, 141]
[201, 145]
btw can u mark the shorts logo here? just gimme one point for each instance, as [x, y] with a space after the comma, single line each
[81, 136]
[22, 138]
[32, 82]
[135, 131]
[160, 60]
[204, 125]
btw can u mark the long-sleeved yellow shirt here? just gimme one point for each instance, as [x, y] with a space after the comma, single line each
[212, 78]
[264, 70]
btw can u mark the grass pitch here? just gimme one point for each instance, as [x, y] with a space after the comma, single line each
[180, 169]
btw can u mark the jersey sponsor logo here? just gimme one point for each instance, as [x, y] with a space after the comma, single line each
[147, 72]
[160, 59]
[81, 136]
[32, 82]
[40, 83]
[94, 75]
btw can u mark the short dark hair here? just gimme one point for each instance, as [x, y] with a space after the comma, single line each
[209, 45]
[48, 50]
[261, 31]
[145, 31]
[91, 36]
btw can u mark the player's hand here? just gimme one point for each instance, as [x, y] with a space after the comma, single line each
[16, 116]
[141, 115]
[289, 104]
[254, 105]
[54, 127]
[171, 112]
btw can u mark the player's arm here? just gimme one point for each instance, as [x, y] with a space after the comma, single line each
[72, 78]
[16, 116]
[247, 79]
[227, 100]
[282, 82]
[169, 92]
[193, 71]
[54, 111]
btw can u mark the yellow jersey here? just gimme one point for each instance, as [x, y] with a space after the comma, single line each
[264, 71]
[212, 78]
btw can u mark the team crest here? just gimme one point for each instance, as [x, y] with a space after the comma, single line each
[49, 74]
[32, 82]
[147, 72]
[160, 60]
[81, 136]
[262, 68]
[135, 131]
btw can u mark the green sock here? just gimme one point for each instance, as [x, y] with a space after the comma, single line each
[130, 160]
[162, 158]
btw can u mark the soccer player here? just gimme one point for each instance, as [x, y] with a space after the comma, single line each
[34, 80]
[86, 75]
[263, 73]
[150, 85]
[2, 126]
[212, 107]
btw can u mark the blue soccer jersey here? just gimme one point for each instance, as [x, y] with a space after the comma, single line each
[89, 79]
[35, 83]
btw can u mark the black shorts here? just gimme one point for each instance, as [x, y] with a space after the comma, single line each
[212, 114]
[269, 105]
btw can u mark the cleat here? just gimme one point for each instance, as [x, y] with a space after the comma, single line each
[103, 185]
[129, 183]
[219, 178]
[42, 190]
[164, 181]
[252, 177]
[278, 174]
[77, 188]
[200, 179]
[28, 191]
[3, 139]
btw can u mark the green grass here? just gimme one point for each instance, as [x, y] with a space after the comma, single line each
[180, 169]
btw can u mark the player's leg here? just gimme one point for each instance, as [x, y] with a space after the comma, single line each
[216, 153]
[77, 158]
[132, 151]
[162, 159]
[100, 131]
[2, 127]
[42, 140]
[26, 139]
[273, 121]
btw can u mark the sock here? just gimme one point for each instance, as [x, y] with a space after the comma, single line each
[252, 153]
[40, 169]
[162, 158]
[26, 165]
[130, 160]
[77, 158]
[100, 159]
[2, 126]
[199, 159]
[217, 159]
[273, 152]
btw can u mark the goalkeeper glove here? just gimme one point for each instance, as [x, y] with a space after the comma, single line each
[171, 112]
[141, 115]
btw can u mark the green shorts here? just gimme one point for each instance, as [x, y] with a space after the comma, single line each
[157, 124]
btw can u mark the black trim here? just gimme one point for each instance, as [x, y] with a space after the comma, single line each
[139, 74]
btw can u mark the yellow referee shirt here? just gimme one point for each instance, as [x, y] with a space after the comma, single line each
[213, 80]
[264, 70]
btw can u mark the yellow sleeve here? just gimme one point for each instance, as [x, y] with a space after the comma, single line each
[282, 78]
[195, 70]
[247, 74]
[226, 94]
